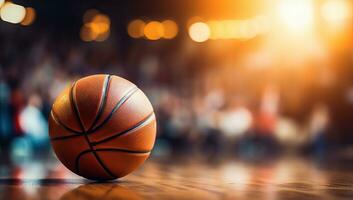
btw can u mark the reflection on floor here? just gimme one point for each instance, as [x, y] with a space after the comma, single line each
[283, 179]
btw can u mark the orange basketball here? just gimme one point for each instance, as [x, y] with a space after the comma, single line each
[102, 127]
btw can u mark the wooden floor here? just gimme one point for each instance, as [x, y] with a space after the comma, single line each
[282, 179]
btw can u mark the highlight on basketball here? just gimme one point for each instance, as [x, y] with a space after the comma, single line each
[202, 99]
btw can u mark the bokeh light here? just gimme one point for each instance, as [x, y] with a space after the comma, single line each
[153, 30]
[296, 15]
[102, 36]
[236, 122]
[30, 16]
[199, 32]
[135, 28]
[100, 24]
[336, 12]
[2, 2]
[170, 29]
[96, 26]
[236, 29]
[261, 24]
[12, 13]
[217, 29]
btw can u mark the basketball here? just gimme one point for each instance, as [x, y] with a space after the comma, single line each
[102, 127]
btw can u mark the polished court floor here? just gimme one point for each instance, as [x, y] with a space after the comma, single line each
[288, 178]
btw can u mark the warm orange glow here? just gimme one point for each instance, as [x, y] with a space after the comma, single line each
[153, 30]
[101, 19]
[103, 36]
[1, 2]
[237, 29]
[296, 15]
[30, 16]
[250, 29]
[261, 24]
[170, 29]
[336, 12]
[12, 13]
[217, 28]
[97, 26]
[199, 32]
[135, 28]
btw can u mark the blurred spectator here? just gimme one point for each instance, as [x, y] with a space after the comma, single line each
[318, 128]
[34, 123]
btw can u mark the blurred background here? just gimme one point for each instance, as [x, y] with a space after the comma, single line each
[249, 80]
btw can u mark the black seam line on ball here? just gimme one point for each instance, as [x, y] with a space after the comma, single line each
[78, 157]
[74, 105]
[102, 102]
[100, 110]
[58, 122]
[64, 137]
[137, 126]
[128, 94]
[75, 108]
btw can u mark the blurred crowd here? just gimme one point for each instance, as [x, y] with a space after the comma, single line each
[204, 103]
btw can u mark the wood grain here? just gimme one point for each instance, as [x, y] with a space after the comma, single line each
[283, 179]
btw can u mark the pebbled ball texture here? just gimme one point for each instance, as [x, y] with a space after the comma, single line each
[102, 127]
